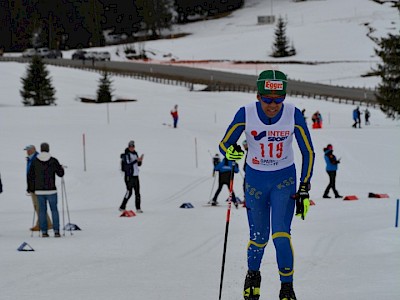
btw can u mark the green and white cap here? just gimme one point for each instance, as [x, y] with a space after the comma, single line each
[272, 82]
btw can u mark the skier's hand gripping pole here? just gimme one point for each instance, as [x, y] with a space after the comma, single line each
[302, 198]
[234, 152]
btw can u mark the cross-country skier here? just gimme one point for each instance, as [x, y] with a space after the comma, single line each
[224, 169]
[216, 160]
[270, 179]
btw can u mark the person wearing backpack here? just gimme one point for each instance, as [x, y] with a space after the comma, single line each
[130, 163]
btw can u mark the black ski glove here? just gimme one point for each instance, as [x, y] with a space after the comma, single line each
[302, 200]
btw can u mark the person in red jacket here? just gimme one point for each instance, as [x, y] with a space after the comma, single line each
[174, 114]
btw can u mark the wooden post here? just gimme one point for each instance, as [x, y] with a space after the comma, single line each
[195, 151]
[84, 152]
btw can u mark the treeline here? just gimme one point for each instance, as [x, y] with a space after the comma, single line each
[190, 9]
[68, 24]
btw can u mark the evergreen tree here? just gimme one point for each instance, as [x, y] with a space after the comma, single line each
[37, 88]
[388, 92]
[156, 15]
[104, 92]
[5, 27]
[281, 46]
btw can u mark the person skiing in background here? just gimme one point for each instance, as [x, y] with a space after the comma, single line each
[224, 169]
[174, 114]
[331, 168]
[216, 161]
[271, 198]
[317, 120]
[130, 163]
[367, 115]
[357, 117]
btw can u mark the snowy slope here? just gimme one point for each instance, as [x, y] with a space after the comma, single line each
[334, 35]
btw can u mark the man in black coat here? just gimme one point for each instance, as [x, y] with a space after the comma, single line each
[42, 182]
[130, 163]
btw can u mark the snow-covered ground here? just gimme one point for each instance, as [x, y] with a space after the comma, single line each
[333, 36]
[343, 250]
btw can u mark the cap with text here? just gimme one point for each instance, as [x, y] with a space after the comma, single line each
[272, 82]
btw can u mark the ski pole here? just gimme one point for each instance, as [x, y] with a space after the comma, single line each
[228, 216]
[62, 204]
[66, 204]
[212, 188]
[33, 221]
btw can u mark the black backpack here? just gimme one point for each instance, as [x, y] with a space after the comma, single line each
[123, 163]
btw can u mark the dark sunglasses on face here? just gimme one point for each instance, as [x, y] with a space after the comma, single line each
[269, 100]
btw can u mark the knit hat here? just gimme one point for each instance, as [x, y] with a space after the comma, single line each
[29, 147]
[131, 144]
[272, 82]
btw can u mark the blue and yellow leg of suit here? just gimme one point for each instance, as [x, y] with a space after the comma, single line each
[270, 206]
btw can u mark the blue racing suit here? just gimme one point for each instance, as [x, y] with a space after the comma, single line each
[269, 194]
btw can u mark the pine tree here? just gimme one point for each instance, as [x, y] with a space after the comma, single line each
[388, 92]
[156, 15]
[281, 46]
[37, 87]
[104, 92]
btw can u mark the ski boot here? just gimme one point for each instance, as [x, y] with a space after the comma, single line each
[252, 285]
[287, 292]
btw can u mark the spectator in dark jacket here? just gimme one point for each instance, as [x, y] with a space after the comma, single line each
[367, 115]
[357, 117]
[131, 161]
[31, 155]
[331, 168]
[224, 168]
[42, 182]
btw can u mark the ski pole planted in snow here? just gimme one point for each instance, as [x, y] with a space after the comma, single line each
[64, 197]
[397, 213]
[228, 216]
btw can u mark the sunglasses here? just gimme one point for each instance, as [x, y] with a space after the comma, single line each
[269, 100]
